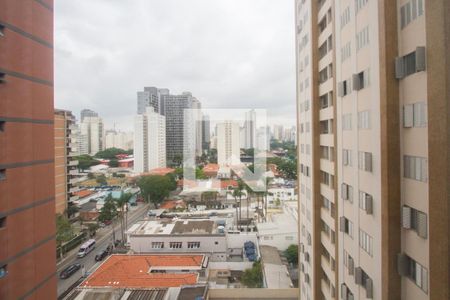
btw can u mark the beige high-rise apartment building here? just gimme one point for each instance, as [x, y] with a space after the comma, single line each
[373, 89]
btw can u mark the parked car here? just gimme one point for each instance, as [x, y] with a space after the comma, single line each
[101, 255]
[69, 271]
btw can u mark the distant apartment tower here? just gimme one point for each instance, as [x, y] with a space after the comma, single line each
[118, 139]
[151, 96]
[278, 132]
[228, 150]
[263, 138]
[27, 169]
[206, 133]
[87, 113]
[65, 166]
[92, 135]
[373, 106]
[174, 112]
[250, 129]
[197, 111]
[149, 141]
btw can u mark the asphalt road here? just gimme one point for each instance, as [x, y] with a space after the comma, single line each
[88, 261]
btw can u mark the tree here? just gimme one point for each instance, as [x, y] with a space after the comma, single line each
[155, 188]
[177, 161]
[121, 203]
[108, 211]
[253, 278]
[64, 230]
[292, 254]
[113, 163]
[85, 161]
[101, 179]
[110, 153]
[71, 210]
[92, 228]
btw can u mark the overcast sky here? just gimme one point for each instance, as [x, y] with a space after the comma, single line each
[228, 53]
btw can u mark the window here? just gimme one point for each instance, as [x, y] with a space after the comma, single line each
[2, 222]
[326, 127]
[157, 245]
[349, 263]
[364, 119]
[345, 17]
[327, 179]
[2, 126]
[347, 122]
[326, 100]
[175, 245]
[347, 192]
[415, 220]
[359, 4]
[2, 174]
[345, 52]
[3, 271]
[365, 242]
[193, 245]
[410, 11]
[365, 281]
[344, 88]
[365, 161]
[415, 115]
[346, 226]
[362, 38]
[216, 243]
[415, 168]
[323, 50]
[323, 24]
[346, 157]
[346, 293]
[2, 77]
[411, 63]
[361, 80]
[366, 202]
[2, 30]
[411, 269]
[323, 74]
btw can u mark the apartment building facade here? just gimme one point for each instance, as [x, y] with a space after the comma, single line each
[228, 144]
[27, 170]
[66, 171]
[373, 107]
[92, 135]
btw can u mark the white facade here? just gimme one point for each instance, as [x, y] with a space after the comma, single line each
[149, 141]
[250, 130]
[282, 194]
[91, 135]
[228, 140]
[120, 140]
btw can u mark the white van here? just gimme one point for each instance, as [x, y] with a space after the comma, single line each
[86, 248]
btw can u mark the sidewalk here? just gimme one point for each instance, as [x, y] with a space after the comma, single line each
[103, 233]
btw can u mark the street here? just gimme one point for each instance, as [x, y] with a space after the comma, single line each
[88, 261]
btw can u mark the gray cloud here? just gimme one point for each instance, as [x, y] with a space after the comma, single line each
[228, 53]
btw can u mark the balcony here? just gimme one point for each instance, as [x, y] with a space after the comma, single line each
[74, 189]
[73, 163]
[74, 172]
[74, 198]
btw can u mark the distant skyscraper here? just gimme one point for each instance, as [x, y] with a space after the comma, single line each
[250, 129]
[174, 112]
[206, 134]
[87, 113]
[263, 138]
[149, 141]
[91, 135]
[151, 96]
[199, 126]
[278, 132]
[118, 139]
[228, 150]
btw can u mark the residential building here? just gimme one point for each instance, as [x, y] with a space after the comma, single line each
[228, 141]
[374, 196]
[179, 236]
[87, 113]
[66, 171]
[27, 151]
[92, 135]
[149, 141]
[263, 138]
[197, 114]
[206, 134]
[278, 132]
[118, 139]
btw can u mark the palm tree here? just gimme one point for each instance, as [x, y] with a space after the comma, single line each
[249, 194]
[121, 202]
[237, 194]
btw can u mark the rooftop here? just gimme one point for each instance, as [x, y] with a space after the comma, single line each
[133, 271]
[168, 227]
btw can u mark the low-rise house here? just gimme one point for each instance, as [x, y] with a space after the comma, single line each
[178, 236]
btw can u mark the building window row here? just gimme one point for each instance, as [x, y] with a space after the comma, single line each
[411, 63]
[410, 11]
[362, 38]
[326, 100]
[157, 245]
[413, 270]
[415, 115]
[327, 153]
[346, 293]
[366, 202]
[349, 263]
[415, 220]
[361, 80]
[193, 245]
[345, 17]
[359, 4]
[346, 52]
[175, 245]
[327, 179]
[365, 242]
[364, 119]
[365, 161]
[415, 168]
[347, 192]
[362, 279]
[326, 126]
[326, 47]
[305, 170]
[326, 73]
[344, 88]
[346, 226]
